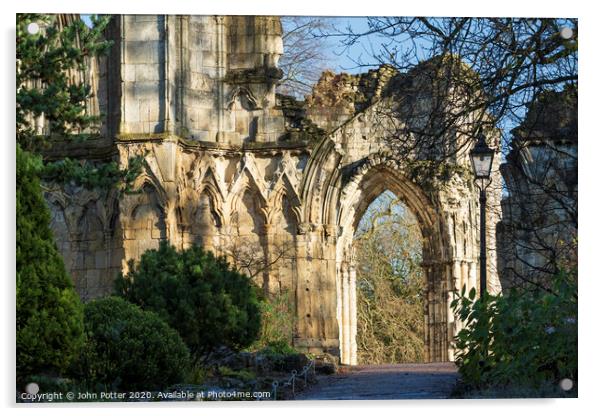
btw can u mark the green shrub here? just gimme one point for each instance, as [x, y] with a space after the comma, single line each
[129, 349]
[209, 303]
[278, 320]
[278, 348]
[524, 338]
[49, 312]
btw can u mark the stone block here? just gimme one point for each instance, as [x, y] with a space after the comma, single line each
[107, 280]
[117, 256]
[100, 259]
[149, 110]
[93, 278]
[136, 127]
[147, 73]
[79, 279]
[196, 41]
[200, 99]
[149, 244]
[142, 31]
[210, 65]
[156, 233]
[241, 60]
[129, 73]
[208, 44]
[270, 125]
[148, 91]
[165, 155]
[202, 120]
[205, 25]
[89, 261]
[96, 241]
[131, 111]
[203, 136]
[79, 261]
[151, 127]
[145, 17]
[143, 52]
[199, 81]
[195, 62]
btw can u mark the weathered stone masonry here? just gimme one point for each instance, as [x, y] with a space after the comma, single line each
[234, 167]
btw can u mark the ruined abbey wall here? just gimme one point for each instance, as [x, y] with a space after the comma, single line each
[275, 185]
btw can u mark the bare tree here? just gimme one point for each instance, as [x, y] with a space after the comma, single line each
[305, 53]
[249, 255]
[459, 77]
[390, 284]
[513, 59]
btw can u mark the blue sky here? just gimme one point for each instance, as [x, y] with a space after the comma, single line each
[344, 59]
[86, 19]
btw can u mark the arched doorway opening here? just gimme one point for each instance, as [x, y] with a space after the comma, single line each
[390, 284]
[368, 183]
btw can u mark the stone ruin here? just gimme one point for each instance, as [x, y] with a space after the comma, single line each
[274, 184]
[537, 233]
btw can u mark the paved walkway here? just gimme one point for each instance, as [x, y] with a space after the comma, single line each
[385, 382]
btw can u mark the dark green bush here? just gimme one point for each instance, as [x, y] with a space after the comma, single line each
[49, 312]
[129, 349]
[523, 338]
[209, 303]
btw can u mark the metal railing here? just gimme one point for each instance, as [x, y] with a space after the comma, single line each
[290, 382]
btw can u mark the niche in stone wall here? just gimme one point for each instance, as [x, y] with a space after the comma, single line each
[206, 222]
[248, 219]
[282, 242]
[146, 227]
[247, 251]
[91, 255]
[241, 105]
[60, 231]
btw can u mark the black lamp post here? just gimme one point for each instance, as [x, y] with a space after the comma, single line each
[482, 159]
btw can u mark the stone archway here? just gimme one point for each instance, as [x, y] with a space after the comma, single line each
[345, 173]
[370, 182]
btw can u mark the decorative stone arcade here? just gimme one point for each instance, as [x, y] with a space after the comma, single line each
[275, 185]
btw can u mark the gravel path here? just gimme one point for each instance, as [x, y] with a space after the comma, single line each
[385, 382]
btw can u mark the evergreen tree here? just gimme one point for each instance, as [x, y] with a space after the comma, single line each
[46, 87]
[49, 312]
[46, 61]
[208, 302]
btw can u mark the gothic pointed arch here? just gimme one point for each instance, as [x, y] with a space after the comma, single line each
[248, 185]
[284, 190]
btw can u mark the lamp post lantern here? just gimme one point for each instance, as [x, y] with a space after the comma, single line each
[481, 157]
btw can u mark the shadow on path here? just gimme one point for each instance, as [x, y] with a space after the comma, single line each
[386, 382]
